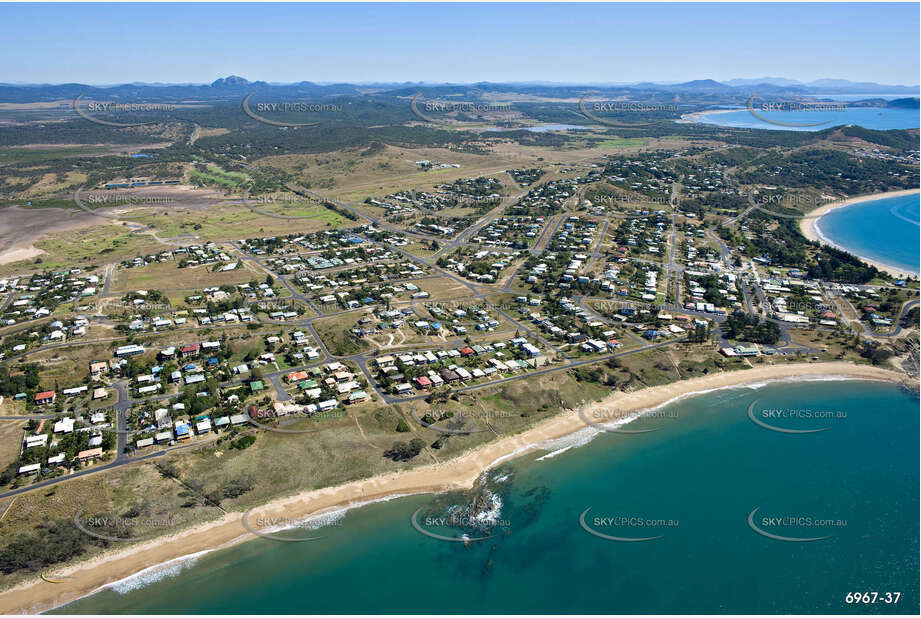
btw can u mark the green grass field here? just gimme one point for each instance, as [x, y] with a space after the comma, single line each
[305, 210]
[34, 155]
[101, 243]
[217, 176]
[623, 142]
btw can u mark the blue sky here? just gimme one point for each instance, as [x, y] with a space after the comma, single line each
[117, 43]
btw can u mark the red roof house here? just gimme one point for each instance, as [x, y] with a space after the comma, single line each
[44, 397]
[423, 382]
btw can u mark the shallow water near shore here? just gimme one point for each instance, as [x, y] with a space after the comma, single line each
[811, 120]
[692, 482]
[883, 230]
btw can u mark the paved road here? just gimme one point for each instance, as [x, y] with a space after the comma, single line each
[551, 225]
[9, 299]
[868, 330]
[725, 254]
[116, 463]
[480, 292]
[275, 379]
[125, 403]
[484, 221]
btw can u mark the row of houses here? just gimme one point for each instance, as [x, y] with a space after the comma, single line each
[389, 366]
[338, 380]
[190, 255]
[84, 457]
[43, 438]
[40, 294]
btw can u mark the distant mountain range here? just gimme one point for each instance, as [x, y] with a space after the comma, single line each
[828, 86]
[234, 87]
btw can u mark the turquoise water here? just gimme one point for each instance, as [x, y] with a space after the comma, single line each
[884, 230]
[705, 468]
[861, 97]
[867, 117]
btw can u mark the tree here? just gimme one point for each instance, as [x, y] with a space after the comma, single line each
[876, 353]
[700, 334]
[403, 451]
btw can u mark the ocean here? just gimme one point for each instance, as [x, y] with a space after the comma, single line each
[707, 483]
[884, 230]
[809, 120]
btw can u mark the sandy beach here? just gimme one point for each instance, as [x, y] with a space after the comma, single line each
[808, 226]
[695, 116]
[459, 473]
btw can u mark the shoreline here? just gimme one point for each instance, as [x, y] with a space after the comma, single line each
[85, 578]
[809, 226]
[694, 117]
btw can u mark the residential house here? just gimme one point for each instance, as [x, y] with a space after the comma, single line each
[89, 454]
[44, 397]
